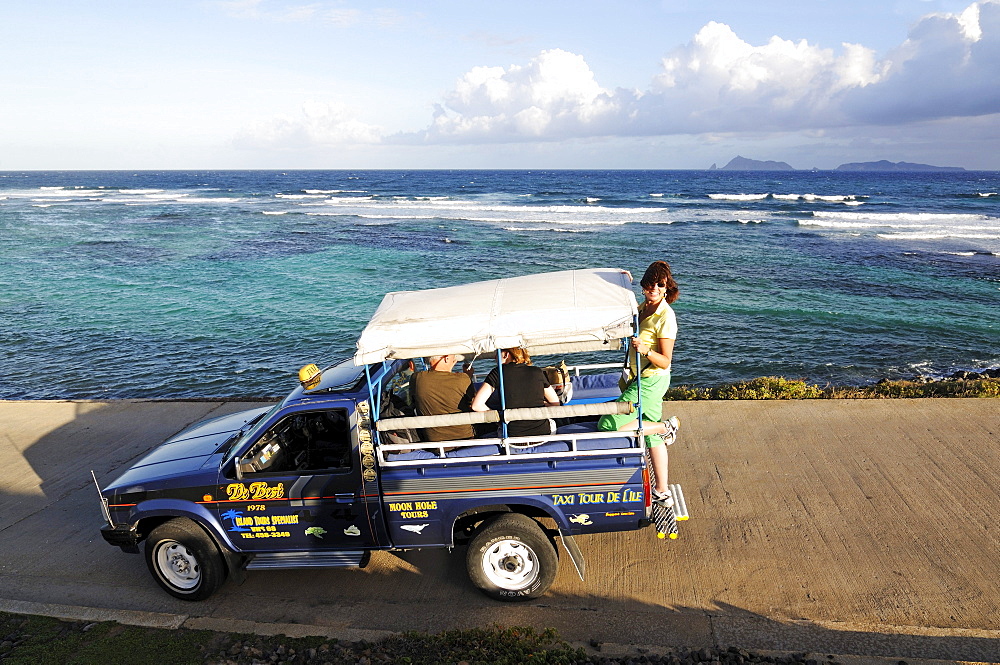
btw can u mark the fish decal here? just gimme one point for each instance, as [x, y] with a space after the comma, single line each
[352, 531]
[317, 531]
[582, 518]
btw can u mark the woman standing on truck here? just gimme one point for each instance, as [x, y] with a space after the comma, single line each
[655, 344]
[524, 385]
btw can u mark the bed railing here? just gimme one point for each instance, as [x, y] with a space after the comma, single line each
[510, 447]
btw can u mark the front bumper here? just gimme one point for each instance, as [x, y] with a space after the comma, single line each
[124, 536]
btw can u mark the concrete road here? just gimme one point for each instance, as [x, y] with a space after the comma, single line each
[840, 527]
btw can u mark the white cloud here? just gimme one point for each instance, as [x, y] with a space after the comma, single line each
[317, 125]
[719, 82]
[716, 84]
[949, 66]
[554, 95]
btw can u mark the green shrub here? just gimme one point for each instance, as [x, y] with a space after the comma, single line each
[777, 387]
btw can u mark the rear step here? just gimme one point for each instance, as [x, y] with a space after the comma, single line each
[680, 505]
[337, 559]
[665, 518]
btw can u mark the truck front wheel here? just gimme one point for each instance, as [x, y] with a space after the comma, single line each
[184, 561]
[511, 559]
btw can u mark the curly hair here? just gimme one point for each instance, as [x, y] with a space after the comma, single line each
[659, 272]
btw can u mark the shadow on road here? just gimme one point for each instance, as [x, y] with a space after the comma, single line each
[49, 520]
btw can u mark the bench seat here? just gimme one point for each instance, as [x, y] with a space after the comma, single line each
[547, 447]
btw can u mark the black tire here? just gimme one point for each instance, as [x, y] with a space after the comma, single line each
[512, 559]
[184, 560]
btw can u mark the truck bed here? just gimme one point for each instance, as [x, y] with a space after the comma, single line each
[496, 448]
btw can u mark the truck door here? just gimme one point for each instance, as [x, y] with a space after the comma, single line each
[301, 488]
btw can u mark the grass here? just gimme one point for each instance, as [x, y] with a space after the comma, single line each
[777, 387]
[35, 640]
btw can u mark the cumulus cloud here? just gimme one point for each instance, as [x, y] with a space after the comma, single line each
[718, 83]
[555, 95]
[949, 66]
[317, 124]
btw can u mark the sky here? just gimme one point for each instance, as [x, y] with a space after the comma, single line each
[589, 84]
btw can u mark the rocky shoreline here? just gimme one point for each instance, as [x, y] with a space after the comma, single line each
[993, 373]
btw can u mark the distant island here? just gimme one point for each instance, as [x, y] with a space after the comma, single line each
[743, 164]
[740, 163]
[886, 165]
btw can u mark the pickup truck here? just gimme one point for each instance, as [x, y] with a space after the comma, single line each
[335, 471]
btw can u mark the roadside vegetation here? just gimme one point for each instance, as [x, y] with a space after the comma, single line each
[34, 640]
[777, 387]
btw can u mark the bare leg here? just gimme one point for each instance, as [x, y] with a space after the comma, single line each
[658, 455]
[647, 427]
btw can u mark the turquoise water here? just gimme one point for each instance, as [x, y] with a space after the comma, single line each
[197, 284]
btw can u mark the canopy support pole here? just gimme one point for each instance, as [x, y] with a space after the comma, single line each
[503, 401]
[638, 380]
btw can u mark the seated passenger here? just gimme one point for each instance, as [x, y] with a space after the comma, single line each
[523, 386]
[439, 391]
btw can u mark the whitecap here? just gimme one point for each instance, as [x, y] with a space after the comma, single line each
[848, 224]
[275, 212]
[140, 191]
[50, 188]
[826, 198]
[917, 217]
[925, 235]
[592, 199]
[551, 230]
[985, 194]
[157, 195]
[738, 197]
[836, 198]
[656, 195]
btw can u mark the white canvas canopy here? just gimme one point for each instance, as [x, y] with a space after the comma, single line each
[557, 312]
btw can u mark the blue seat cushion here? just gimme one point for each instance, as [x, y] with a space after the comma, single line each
[547, 447]
[595, 387]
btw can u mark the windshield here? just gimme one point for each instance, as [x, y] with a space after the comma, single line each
[341, 375]
[248, 431]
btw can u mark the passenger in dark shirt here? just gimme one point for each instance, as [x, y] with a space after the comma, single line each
[523, 386]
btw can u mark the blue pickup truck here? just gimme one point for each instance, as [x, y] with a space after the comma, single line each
[335, 471]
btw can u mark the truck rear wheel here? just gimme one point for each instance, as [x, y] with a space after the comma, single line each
[512, 559]
[184, 561]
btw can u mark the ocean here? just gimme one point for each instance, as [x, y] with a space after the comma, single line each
[193, 284]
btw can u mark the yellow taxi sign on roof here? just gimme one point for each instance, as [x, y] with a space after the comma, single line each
[309, 376]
